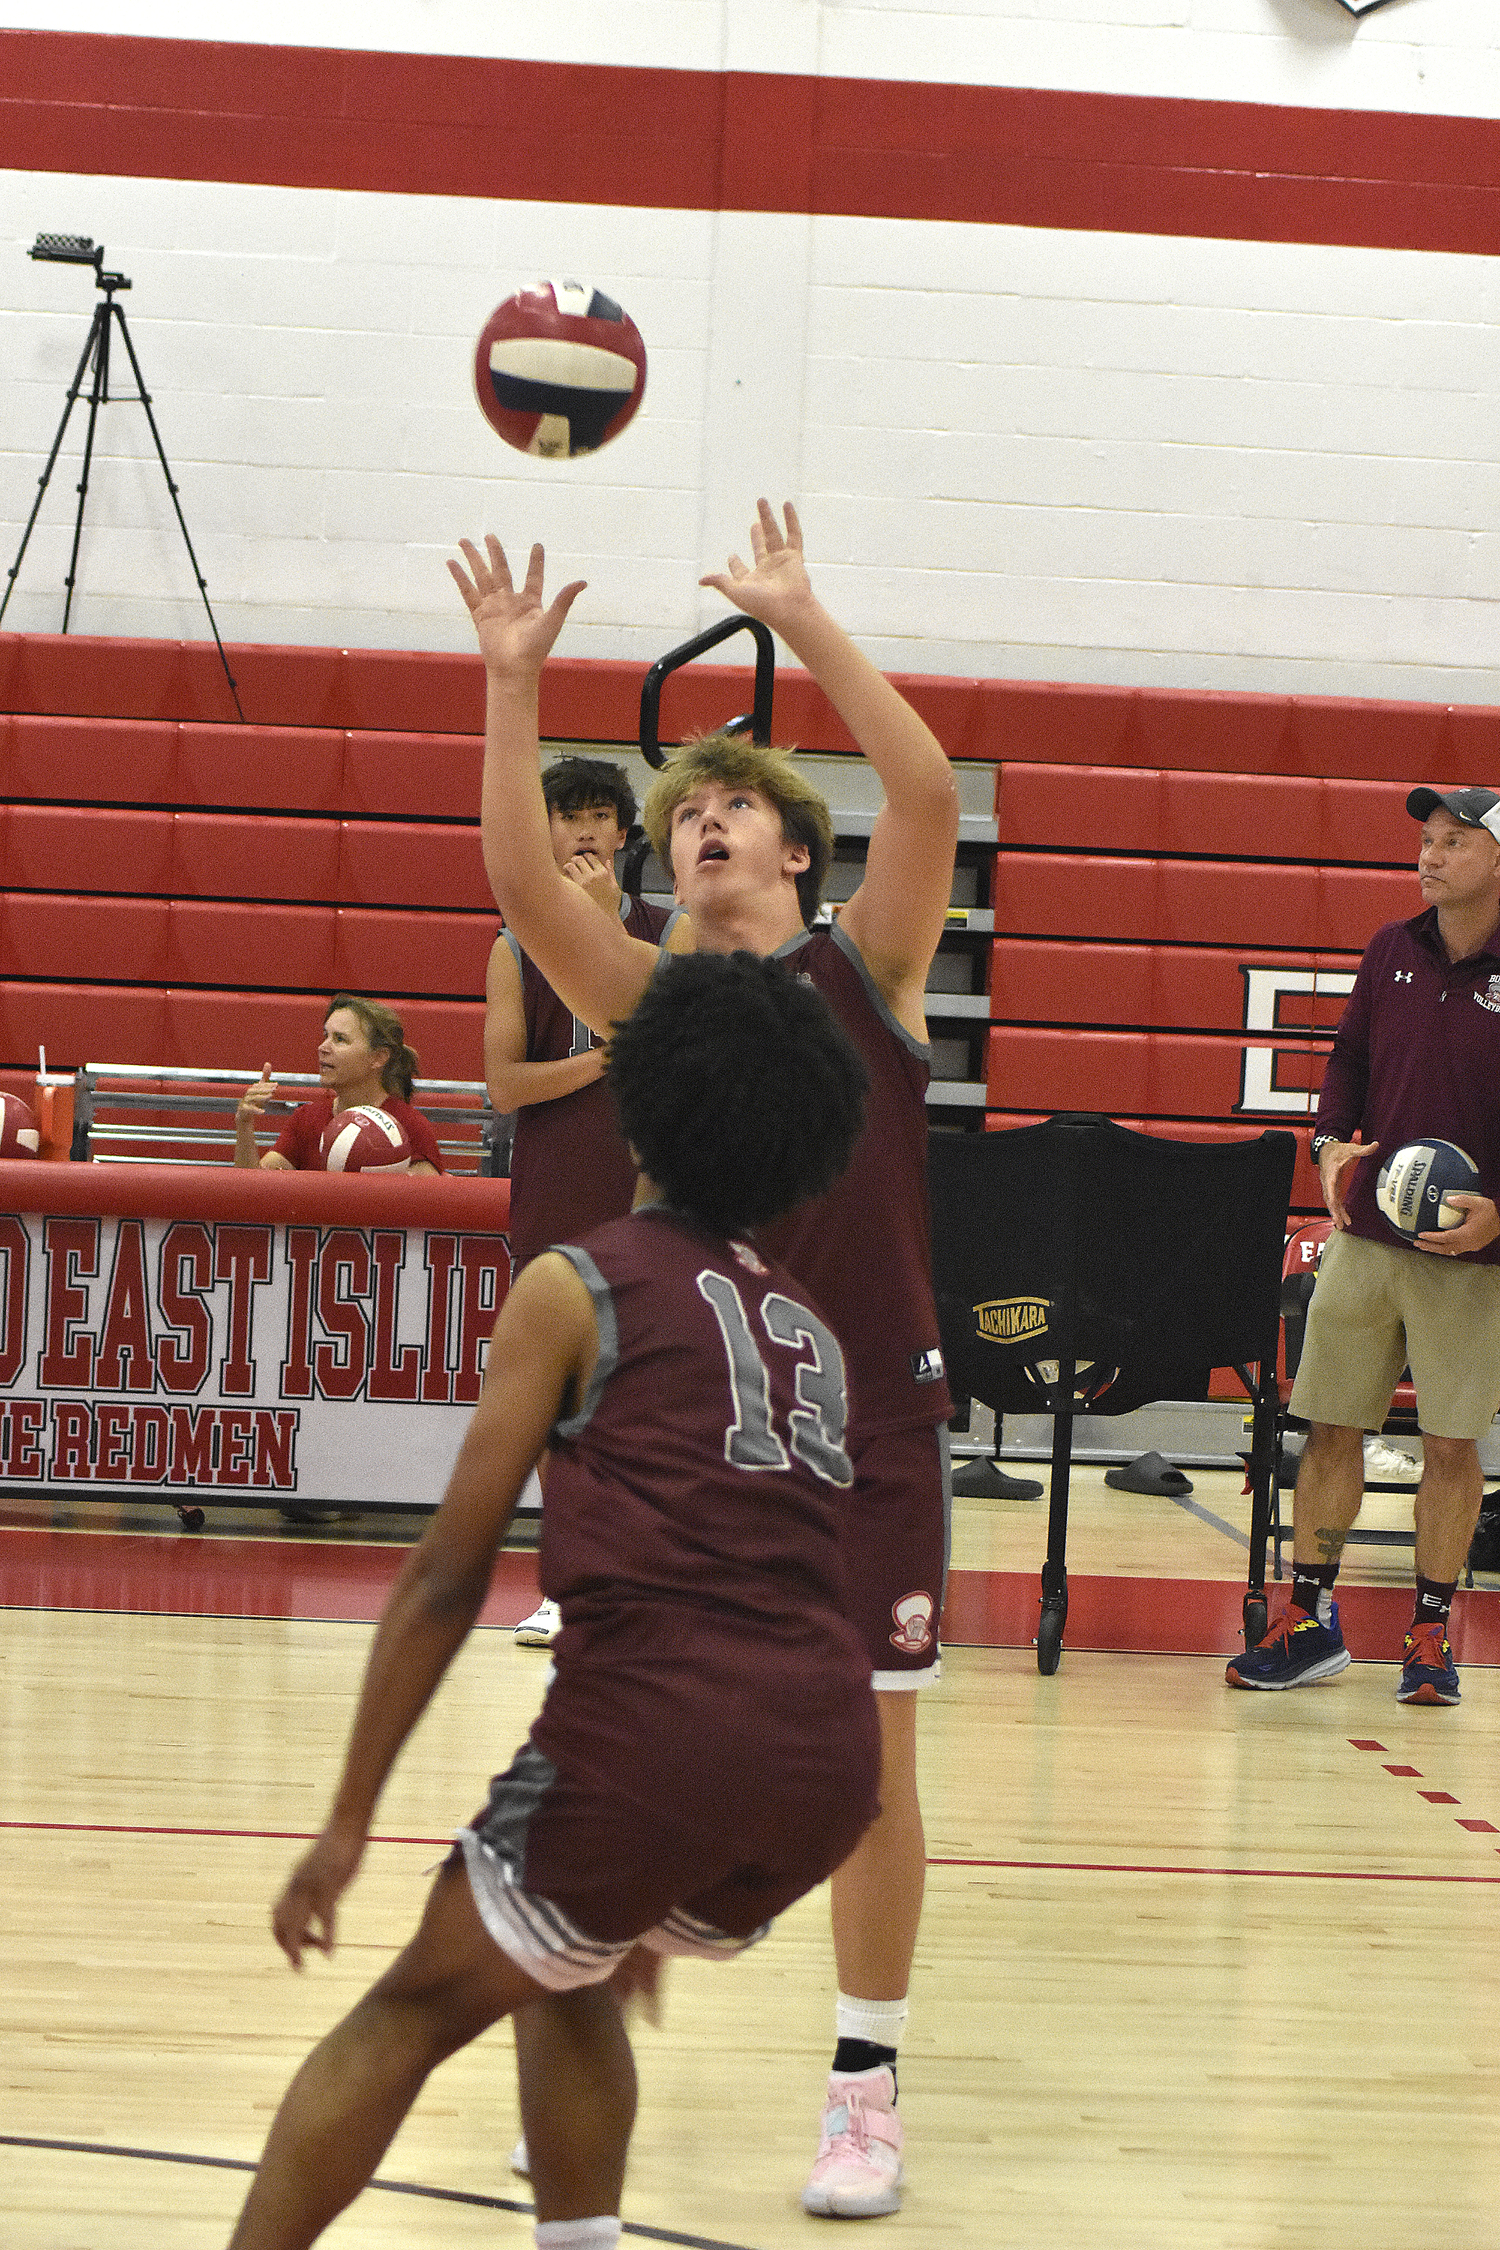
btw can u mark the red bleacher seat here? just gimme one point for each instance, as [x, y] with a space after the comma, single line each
[88, 761]
[73, 936]
[273, 947]
[413, 864]
[419, 776]
[383, 952]
[244, 855]
[1218, 815]
[74, 1021]
[299, 769]
[85, 848]
[1177, 901]
[1050, 981]
[1161, 1074]
[206, 1030]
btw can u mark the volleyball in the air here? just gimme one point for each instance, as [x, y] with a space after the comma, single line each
[365, 1139]
[559, 369]
[1414, 1182]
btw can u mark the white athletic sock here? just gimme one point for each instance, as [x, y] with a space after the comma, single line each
[577, 2234]
[881, 2022]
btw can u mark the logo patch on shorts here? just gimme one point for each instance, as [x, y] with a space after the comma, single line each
[913, 1616]
[927, 1367]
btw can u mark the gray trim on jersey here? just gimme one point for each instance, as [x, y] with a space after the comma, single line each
[846, 945]
[609, 1337]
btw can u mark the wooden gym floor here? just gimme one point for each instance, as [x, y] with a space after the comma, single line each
[1198, 1968]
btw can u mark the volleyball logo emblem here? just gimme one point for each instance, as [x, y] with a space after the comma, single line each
[365, 1139]
[559, 369]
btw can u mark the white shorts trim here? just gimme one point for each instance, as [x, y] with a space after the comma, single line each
[548, 1944]
[886, 1683]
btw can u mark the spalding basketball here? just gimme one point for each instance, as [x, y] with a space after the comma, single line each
[365, 1140]
[19, 1134]
[559, 369]
[1413, 1183]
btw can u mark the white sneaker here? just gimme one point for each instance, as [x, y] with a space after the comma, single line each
[858, 2173]
[1387, 1464]
[541, 1628]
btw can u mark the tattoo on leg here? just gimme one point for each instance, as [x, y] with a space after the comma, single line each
[1330, 1543]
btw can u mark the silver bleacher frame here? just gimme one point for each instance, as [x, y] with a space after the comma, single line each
[147, 1092]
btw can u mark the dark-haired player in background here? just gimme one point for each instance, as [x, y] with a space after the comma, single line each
[747, 841]
[709, 1747]
[569, 1168]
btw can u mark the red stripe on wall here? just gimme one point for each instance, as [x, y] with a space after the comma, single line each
[698, 140]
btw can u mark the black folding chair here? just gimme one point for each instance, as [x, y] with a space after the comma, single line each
[1081, 1267]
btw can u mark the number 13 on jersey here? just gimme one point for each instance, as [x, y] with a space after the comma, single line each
[816, 1424]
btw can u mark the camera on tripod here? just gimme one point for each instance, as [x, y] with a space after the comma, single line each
[68, 250]
[83, 250]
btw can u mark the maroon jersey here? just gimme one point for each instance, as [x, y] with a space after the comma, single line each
[863, 1251]
[303, 1131]
[569, 1167]
[1416, 1057]
[689, 1534]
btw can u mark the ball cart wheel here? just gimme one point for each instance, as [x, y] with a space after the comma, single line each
[1049, 1636]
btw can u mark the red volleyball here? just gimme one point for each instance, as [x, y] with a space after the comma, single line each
[559, 369]
[19, 1132]
[365, 1139]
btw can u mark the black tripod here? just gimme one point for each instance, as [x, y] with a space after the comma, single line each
[79, 250]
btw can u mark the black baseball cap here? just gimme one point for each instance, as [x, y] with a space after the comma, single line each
[1473, 807]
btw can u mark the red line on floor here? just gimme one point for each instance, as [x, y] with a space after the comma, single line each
[179, 1574]
[1024, 1866]
[1292, 1874]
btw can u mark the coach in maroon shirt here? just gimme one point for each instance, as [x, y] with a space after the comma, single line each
[1416, 1057]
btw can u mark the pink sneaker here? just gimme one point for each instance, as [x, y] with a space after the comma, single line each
[858, 2173]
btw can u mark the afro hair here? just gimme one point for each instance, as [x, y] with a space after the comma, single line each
[738, 1089]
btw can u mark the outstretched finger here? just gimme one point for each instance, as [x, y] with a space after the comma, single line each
[793, 525]
[563, 602]
[765, 517]
[499, 567]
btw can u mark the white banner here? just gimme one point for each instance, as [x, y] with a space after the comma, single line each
[327, 1362]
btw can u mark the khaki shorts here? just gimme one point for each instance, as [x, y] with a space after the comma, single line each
[1378, 1309]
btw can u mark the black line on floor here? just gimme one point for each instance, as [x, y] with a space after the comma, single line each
[388, 2187]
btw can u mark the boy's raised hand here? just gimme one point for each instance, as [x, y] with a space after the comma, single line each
[516, 631]
[776, 585]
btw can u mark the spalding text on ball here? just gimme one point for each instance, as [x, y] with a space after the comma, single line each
[1414, 1182]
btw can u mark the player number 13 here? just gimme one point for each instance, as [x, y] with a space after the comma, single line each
[815, 1426]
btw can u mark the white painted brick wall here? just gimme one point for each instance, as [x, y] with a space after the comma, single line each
[1018, 452]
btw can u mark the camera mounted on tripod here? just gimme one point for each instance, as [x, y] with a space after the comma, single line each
[76, 250]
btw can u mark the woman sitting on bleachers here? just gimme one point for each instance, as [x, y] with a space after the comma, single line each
[364, 1062]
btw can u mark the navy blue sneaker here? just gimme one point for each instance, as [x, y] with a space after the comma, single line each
[1296, 1651]
[1428, 1673]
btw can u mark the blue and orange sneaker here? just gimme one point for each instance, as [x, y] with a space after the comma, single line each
[1296, 1651]
[1428, 1673]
